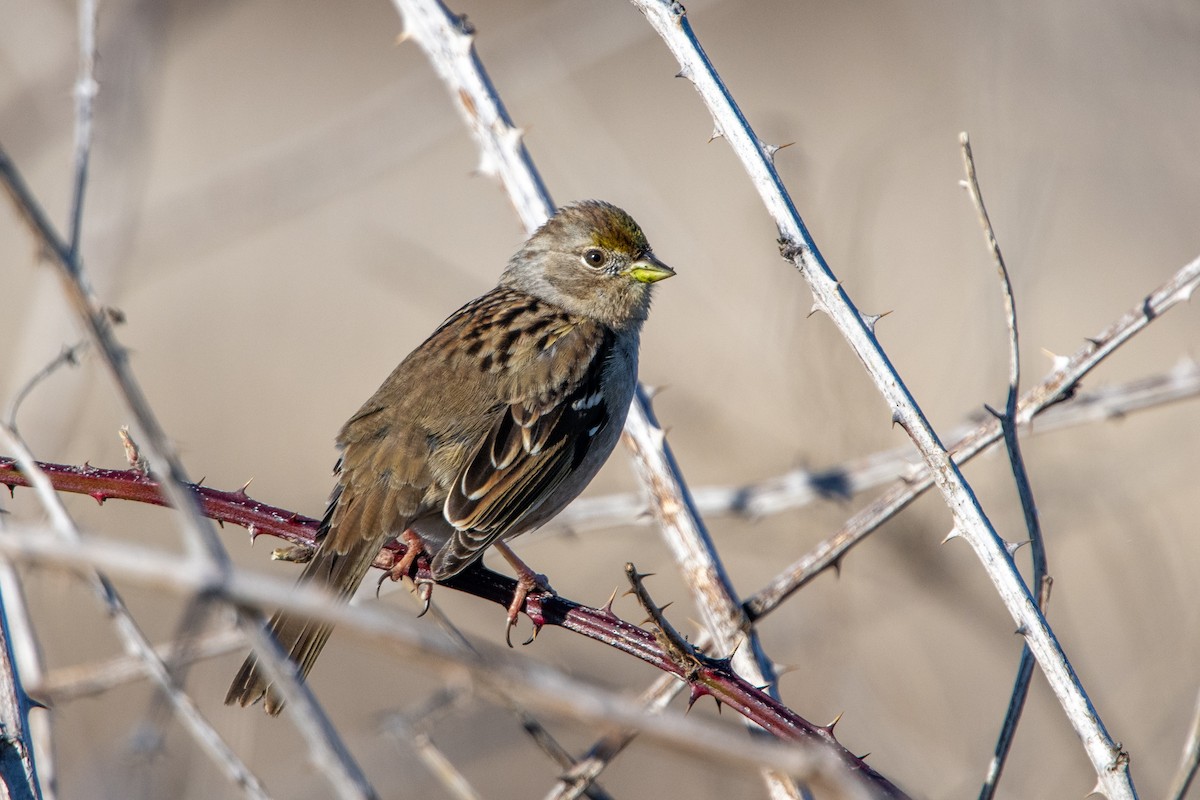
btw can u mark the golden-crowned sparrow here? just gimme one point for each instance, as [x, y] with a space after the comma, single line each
[490, 427]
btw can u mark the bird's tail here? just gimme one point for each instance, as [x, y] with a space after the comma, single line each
[300, 637]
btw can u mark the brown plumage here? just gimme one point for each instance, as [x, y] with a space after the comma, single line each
[493, 424]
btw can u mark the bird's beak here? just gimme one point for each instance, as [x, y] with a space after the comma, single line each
[649, 269]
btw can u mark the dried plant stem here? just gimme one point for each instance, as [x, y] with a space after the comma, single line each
[1056, 386]
[497, 669]
[797, 246]
[131, 634]
[19, 755]
[1189, 762]
[1008, 427]
[204, 550]
[448, 43]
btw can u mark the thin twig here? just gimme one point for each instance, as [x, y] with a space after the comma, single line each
[85, 95]
[1189, 762]
[68, 357]
[448, 43]
[205, 552]
[1008, 427]
[130, 633]
[1108, 761]
[19, 756]
[86, 680]
[1060, 383]
[529, 723]
[497, 669]
[790, 490]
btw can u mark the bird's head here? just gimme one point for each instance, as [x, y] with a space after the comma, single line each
[592, 260]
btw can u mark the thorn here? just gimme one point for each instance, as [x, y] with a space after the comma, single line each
[1185, 292]
[1021, 631]
[513, 137]
[403, 36]
[607, 608]
[817, 306]
[953, 534]
[651, 392]
[836, 566]
[782, 669]
[200, 482]
[1013, 547]
[870, 319]
[242, 491]
[488, 165]
[716, 134]
[1057, 362]
[98, 496]
[1097, 789]
[253, 531]
[695, 692]
[632, 572]
[769, 150]
[897, 419]
[686, 72]
[834, 723]
[658, 436]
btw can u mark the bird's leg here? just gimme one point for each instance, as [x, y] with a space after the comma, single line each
[400, 567]
[527, 581]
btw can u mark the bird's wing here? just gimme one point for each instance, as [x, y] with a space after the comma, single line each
[544, 434]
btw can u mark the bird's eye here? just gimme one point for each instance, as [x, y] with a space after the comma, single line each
[595, 257]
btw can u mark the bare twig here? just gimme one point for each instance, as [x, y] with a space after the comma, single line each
[790, 490]
[533, 684]
[1008, 427]
[1060, 383]
[206, 554]
[85, 94]
[131, 634]
[448, 43]
[797, 246]
[68, 357]
[529, 723]
[85, 680]
[1189, 762]
[18, 753]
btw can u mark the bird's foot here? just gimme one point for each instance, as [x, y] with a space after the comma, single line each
[402, 567]
[531, 589]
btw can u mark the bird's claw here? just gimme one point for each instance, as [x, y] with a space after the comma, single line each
[527, 597]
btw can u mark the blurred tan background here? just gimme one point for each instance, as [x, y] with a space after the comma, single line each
[282, 203]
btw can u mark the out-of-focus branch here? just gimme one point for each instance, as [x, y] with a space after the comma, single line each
[130, 633]
[800, 487]
[1189, 762]
[204, 549]
[1008, 427]
[18, 757]
[448, 43]
[496, 669]
[797, 246]
[790, 490]
[1058, 385]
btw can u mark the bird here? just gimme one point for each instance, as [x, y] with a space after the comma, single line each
[490, 427]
